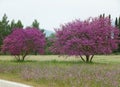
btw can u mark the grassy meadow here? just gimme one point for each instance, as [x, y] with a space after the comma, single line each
[54, 71]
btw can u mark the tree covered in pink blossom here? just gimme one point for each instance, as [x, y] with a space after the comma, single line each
[21, 42]
[86, 38]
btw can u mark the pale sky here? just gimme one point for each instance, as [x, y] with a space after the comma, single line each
[52, 13]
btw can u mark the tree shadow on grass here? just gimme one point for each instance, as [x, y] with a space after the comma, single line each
[26, 61]
[71, 62]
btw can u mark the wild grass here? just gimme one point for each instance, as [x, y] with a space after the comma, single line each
[51, 71]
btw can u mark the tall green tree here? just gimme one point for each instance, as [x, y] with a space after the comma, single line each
[17, 24]
[109, 16]
[118, 26]
[36, 24]
[49, 44]
[4, 28]
[119, 23]
[12, 24]
[116, 22]
[102, 15]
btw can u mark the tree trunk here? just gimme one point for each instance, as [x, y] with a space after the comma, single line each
[82, 58]
[23, 57]
[17, 57]
[87, 58]
[91, 58]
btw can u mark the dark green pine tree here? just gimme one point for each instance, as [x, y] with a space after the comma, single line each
[49, 44]
[119, 23]
[14, 25]
[4, 28]
[103, 15]
[36, 24]
[19, 24]
[116, 22]
[109, 16]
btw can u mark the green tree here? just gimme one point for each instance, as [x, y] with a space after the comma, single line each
[116, 22]
[109, 16]
[4, 28]
[118, 26]
[102, 15]
[12, 24]
[49, 44]
[119, 23]
[36, 24]
[18, 24]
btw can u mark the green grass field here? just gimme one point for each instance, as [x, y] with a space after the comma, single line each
[54, 71]
[97, 58]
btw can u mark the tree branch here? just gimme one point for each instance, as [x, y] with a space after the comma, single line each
[82, 58]
[91, 58]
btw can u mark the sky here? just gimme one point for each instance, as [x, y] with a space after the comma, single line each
[52, 13]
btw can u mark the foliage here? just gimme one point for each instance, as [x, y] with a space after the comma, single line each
[4, 29]
[89, 37]
[103, 16]
[36, 24]
[18, 24]
[49, 44]
[21, 42]
[117, 22]
[117, 25]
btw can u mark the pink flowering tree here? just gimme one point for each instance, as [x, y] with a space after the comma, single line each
[86, 38]
[21, 42]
